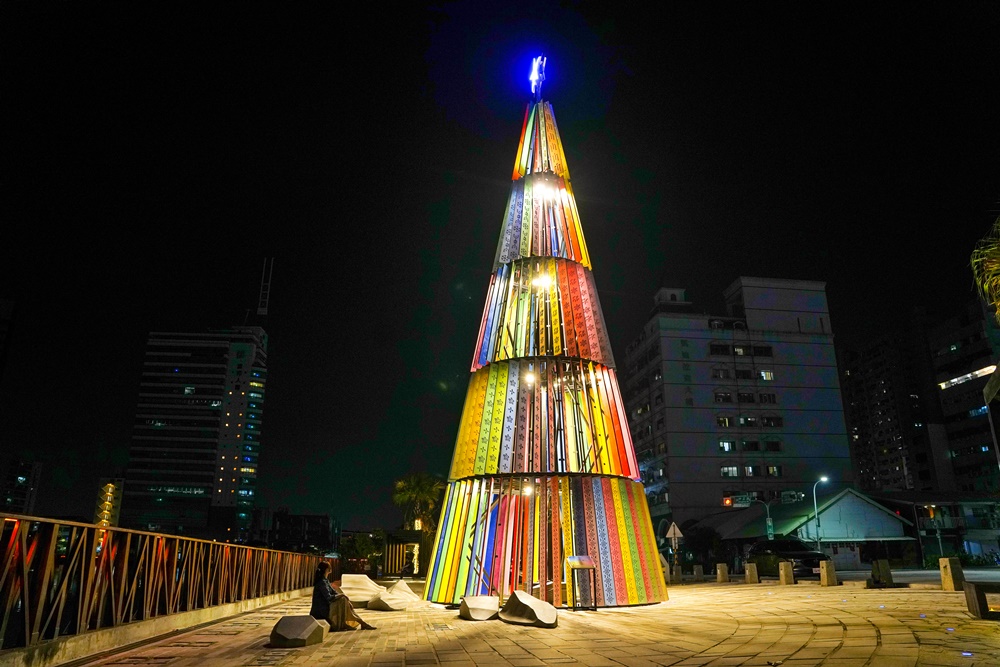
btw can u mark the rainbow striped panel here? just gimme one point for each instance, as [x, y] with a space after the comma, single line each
[562, 403]
[534, 307]
[541, 220]
[540, 149]
[494, 557]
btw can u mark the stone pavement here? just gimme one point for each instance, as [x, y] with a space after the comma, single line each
[701, 624]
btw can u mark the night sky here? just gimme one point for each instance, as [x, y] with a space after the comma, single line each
[154, 154]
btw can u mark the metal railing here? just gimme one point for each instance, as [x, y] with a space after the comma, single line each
[60, 578]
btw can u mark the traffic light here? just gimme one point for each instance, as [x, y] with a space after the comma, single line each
[727, 501]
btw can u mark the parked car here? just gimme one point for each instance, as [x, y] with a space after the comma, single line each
[767, 554]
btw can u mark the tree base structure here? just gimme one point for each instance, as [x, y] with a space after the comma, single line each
[501, 534]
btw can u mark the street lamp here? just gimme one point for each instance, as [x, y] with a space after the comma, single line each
[816, 512]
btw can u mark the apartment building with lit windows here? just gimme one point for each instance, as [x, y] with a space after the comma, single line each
[197, 434]
[897, 434]
[964, 350]
[746, 403]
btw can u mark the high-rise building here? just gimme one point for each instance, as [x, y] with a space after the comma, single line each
[964, 351]
[742, 405]
[893, 414]
[197, 434]
[18, 485]
[543, 482]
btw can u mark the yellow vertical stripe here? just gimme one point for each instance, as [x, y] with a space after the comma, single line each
[526, 207]
[554, 320]
[496, 428]
[566, 505]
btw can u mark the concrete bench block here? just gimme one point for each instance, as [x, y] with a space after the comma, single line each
[785, 575]
[479, 607]
[721, 573]
[359, 589]
[397, 597]
[296, 631]
[699, 573]
[751, 574]
[523, 609]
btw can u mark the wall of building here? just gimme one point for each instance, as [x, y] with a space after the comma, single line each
[695, 382]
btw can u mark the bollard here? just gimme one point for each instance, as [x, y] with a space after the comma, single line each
[676, 578]
[952, 577]
[751, 574]
[882, 574]
[827, 573]
[721, 573]
[785, 575]
[699, 573]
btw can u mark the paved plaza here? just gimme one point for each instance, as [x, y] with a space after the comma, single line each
[701, 624]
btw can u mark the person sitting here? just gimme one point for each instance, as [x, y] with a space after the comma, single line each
[331, 605]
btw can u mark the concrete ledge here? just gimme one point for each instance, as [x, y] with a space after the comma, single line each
[76, 647]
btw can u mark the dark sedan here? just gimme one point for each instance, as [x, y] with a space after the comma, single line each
[767, 554]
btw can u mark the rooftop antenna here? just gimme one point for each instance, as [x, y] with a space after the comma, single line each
[537, 76]
[265, 286]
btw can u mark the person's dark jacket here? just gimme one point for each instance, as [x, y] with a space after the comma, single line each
[323, 595]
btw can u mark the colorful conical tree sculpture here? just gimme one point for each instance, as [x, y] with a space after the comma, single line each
[544, 469]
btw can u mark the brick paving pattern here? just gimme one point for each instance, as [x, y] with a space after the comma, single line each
[702, 624]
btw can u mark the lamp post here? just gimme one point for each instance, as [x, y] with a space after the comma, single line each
[816, 512]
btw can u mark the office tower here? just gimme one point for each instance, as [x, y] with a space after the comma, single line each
[543, 477]
[746, 404]
[964, 351]
[18, 485]
[897, 435]
[197, 434]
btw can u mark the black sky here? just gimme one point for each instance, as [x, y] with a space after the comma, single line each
[154, 154]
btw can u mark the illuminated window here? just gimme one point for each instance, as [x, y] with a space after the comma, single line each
[748, 420]
[968, 376]
[729, 471]
[726, 445]
[724, 422]
[723, 397]
[720, 373]
[767, 376]
[774, 471]
[751, 471]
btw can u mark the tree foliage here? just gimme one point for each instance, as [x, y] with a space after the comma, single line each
[420, 495]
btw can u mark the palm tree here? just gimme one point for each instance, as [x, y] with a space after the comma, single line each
[419, 494]
[986, 267]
